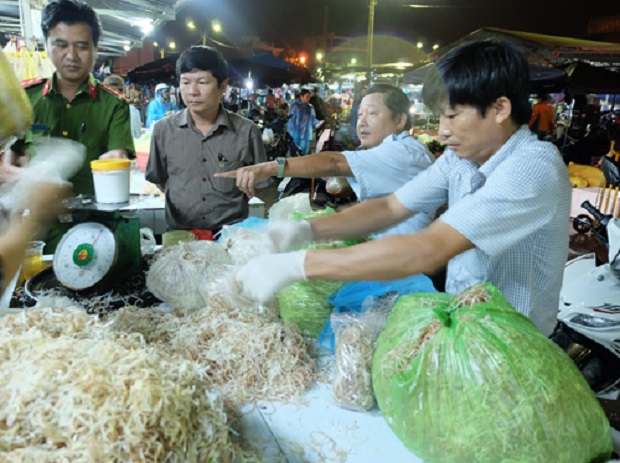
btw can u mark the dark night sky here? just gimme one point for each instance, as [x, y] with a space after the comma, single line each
[286, 22]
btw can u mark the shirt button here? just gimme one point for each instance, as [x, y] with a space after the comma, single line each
[68, 106]
[204, 199]
[65, 133]
[204, 159]
[204, 179]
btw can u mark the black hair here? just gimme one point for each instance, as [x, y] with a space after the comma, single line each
[304, 91]
[203, 58]
[395, 100]
[70, 12]
[478, 73]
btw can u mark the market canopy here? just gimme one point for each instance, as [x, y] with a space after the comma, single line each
[155, 72]
[542, 79]
[545, 49]
[585, 78]
[261, 68]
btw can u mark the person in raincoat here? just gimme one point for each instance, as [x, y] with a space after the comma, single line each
[302, 121]
[160, 106]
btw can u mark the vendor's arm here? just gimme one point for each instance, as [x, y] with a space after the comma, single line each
[45, 205]
[389, 258]
[326, 163]
[360, 220]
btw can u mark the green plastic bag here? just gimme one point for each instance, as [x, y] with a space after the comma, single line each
[469, 379]
[305, 304]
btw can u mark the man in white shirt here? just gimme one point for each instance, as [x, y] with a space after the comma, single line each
[508, 198]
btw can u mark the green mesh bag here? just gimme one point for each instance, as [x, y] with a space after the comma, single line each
[469, 379]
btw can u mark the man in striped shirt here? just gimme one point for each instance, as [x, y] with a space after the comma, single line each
[189, 147]
[508, 198]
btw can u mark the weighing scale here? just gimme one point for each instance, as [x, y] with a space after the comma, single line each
[101, 250]
[98, 262]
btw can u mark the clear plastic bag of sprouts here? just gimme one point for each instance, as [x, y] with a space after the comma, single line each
[243, 244]
[356, 334]
[467, 378]
[218, 283]
[176, 276]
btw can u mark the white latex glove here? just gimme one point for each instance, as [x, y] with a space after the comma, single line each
[287, 235]
[264, 276]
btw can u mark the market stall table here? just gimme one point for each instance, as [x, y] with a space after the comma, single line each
[316, 430]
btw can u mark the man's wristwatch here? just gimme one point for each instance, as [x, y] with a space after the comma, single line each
[281, 162]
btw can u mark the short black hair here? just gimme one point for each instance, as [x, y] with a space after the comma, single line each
[304, 91]
[395, 100]
[478, 73]
[203, 58]
[70, 12]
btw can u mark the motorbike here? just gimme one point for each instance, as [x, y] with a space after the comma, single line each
[582, 144]
[276, 139]
[330, 138]
[588, 328]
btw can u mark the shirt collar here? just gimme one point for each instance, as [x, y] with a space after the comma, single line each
[488, 167]
[397, 136]
[90, 87]
[183, 119]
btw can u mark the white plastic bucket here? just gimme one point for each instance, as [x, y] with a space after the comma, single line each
[111, 178]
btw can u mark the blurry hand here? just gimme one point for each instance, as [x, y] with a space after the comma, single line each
[287, 235]
[46, 201]
[265, 276]
[248, 176]
[7, 172]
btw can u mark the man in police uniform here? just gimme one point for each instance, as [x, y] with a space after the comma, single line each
[72, 103]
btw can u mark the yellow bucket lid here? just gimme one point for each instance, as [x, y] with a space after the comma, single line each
[110, 164]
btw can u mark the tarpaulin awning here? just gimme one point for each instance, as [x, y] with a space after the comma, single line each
[545, 49]
[161, 70]
[262, 69]
[542, 79]
[585, 78]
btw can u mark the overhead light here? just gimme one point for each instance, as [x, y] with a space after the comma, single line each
[145, 25]
[126, 47]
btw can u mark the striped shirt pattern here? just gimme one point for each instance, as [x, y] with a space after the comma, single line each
[515, 209]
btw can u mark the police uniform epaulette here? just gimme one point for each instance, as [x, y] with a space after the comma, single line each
[31, 82]
[112, 90]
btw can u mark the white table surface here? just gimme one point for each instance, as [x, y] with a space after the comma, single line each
[316, 430]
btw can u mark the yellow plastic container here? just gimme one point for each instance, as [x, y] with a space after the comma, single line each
[111, 178]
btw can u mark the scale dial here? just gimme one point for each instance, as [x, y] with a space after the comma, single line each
[85, 255]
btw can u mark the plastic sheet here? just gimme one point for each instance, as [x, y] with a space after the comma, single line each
[373, 296]
[469, 379]
[356, 335]
[176, 276]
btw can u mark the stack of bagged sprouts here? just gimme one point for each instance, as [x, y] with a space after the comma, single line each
[145, 385]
